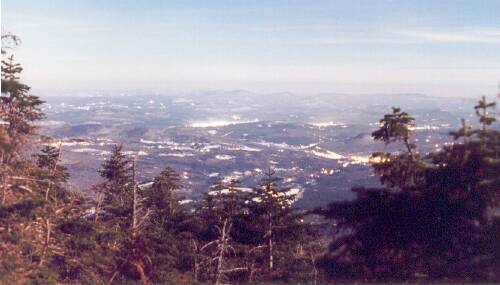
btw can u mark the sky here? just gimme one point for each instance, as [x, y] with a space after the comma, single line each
[445, 48]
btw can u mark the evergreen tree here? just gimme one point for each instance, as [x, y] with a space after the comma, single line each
[161, 196]
[436, 228]
[55, 174]
[402, 169]
[272, 208]
[125, 218]
[169, 231]
[27, 218]
[18, 109]
[115, 193]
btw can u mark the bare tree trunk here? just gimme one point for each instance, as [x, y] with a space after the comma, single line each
[4, 181]
[270, 244]
[137, 221]
[110, 281]
[4, 194]
[196, 265]
[222, 249]
[134, 202]
[252, 272]
[315, 269]
[48, 190]
[53, 170]
[46, 244]
[4, 190]
[140, 268]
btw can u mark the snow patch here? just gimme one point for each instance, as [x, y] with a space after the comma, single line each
[224, 157]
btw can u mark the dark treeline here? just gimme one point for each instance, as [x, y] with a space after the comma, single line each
[434, 219]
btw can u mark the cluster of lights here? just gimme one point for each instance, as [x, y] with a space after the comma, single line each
[326, 171]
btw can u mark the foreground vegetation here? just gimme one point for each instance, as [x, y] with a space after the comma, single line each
[433, 218]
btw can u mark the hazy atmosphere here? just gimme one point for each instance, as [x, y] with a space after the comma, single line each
[249, 142]
[445, 48]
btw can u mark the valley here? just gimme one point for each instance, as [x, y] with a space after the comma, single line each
[312, 142]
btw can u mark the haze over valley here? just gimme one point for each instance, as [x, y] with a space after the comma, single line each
[320, 144]
[249, 142]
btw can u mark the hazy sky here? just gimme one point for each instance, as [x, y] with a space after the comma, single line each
[437, 47]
